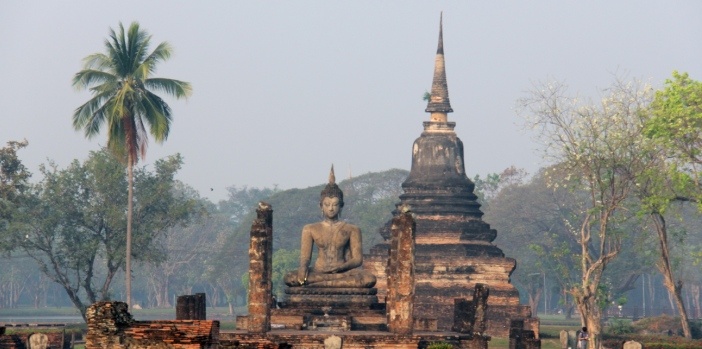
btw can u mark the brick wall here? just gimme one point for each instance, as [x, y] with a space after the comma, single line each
[110, 326]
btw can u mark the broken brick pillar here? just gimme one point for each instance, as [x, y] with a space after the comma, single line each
[191, 307]
[515, 334]
[260, 269]
[107, 322]
[519, 338]
[480, 304]
[471, 316]
[400, 304]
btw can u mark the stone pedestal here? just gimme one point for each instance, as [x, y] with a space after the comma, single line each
[330, 309]
[328, 322]
[314, 299]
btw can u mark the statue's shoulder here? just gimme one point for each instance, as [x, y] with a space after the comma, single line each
[351, 227]
[313, 226]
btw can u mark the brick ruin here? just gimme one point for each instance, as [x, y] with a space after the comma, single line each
[440, 278]
[25, 334]
[454, 249]
[111, 326]
[310, 323]
[317, 321]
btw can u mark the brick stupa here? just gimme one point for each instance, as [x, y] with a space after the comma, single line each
[454, 249]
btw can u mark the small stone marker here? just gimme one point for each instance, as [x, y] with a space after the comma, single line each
[572, 339]
[564, 339]
[632, 345]
[333, 342]
[38, 341]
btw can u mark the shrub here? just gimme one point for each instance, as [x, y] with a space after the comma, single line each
[440, 345]
[620, 326]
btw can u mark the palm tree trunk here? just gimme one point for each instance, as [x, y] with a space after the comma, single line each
[128, 256]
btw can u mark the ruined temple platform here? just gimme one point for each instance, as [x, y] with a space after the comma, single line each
[349, 340]
[319, 309]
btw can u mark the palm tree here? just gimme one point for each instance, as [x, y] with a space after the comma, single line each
[121, 83]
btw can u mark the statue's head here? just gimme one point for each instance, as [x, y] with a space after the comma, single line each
[331, 190]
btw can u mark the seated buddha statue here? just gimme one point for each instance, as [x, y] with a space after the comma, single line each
[339, 248]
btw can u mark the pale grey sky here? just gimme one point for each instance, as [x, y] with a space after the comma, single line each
[282, 89]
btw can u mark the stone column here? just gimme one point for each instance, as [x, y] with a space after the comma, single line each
[191, 307]
[515, 334]
[471, 316]
[480, 304]
[400, 307]
[260, 267]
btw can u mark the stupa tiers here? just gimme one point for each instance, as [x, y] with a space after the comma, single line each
[454, 249]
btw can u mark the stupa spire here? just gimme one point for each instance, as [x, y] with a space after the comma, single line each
[439, 105]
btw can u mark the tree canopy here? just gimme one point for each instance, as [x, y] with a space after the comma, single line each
[74, 229]
[122, 85]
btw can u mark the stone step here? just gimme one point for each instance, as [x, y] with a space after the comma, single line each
[365, 321]
[377, 322]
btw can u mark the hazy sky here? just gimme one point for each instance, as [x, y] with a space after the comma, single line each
[282, 89]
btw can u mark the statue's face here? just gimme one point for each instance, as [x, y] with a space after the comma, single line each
[331, 207]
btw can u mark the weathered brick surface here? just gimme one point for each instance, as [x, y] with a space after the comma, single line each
[110, 326]
[519, 338]
[260, 269]
[21, 340]
[191, 307]
[400, 306]
[350, 340]
[454, 249]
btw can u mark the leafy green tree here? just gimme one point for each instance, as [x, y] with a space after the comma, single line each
[486, 189]
[14, 181]
[242, 199]
[283, 262]
[677, 123]
[122, 85]
[20, 279]
[184, 249]
[225, 267]
[595, 145]
[536, 215]
[74, 227]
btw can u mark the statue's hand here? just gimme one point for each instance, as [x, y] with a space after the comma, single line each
[334, 269]
[302, 277]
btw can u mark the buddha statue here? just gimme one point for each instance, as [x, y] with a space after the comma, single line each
[339, 248]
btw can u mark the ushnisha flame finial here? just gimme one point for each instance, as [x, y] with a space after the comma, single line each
[439, 105]
[332, 190]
